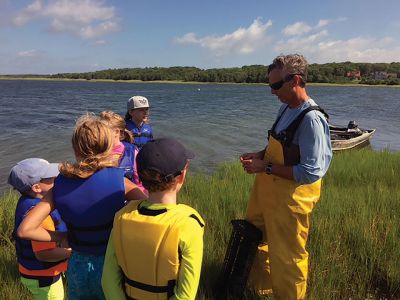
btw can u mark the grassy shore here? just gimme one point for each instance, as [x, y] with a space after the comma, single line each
[354, 241]
[188, 82]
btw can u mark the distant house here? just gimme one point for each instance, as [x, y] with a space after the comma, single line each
[392, 75]
[379, 75]
[354, 74]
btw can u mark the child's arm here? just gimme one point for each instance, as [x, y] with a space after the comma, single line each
[191, 246]
[132, 191]
[48, 251]
[53, 255]
[111, 279]
[30, 228]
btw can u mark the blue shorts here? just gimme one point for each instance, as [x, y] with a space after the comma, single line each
[84, 277]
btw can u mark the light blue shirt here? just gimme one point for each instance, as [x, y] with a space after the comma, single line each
[313, 138]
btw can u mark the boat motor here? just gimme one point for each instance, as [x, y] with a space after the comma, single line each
[353, 128]
[238, 261]
[352, 125]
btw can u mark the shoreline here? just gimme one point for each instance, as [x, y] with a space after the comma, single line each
[189, 82]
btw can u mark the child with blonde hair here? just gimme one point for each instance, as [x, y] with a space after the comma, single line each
[124, 151]
[87, 194]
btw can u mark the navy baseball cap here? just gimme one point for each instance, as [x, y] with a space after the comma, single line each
[30, 171]
[164, 155]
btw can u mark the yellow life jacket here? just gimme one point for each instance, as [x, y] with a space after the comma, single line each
[146, 245]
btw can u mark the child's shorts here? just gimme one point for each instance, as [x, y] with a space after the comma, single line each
[45, 288]
[84, 276]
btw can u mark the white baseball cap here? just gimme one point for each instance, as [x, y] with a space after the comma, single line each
[137, 102]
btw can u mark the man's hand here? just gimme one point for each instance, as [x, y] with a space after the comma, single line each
[252, 166]
[255, 155]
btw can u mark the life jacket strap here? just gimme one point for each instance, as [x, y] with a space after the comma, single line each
[140, 134]
[197, 219]
[26, 254]
[33, 258]
[72, 237]
[73, 230]
[151, 212]
[100, 227]
[169, 288]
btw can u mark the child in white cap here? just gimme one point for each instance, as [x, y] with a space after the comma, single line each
[137, 118]
[40, 264]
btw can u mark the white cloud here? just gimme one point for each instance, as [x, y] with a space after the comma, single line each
[28, 13]
[28, 53]
[317, 45]
[300, 28]
[322, 23]
[318, 48]
[296, 29]
[87, 19]
[241, 41]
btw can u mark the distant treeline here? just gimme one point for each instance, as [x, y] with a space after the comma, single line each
[346, 72]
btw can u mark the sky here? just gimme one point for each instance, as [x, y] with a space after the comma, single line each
[58, 36]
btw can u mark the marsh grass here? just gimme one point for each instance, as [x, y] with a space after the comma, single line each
[354, 241]
[10, 286]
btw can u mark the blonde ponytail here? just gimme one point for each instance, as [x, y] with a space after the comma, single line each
[92, 141]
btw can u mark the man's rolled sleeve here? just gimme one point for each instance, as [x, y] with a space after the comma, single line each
[315, 149]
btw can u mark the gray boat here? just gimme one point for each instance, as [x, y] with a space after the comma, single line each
[345, 138]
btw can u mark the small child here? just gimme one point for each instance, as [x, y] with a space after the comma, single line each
[40, 264]
[87, 193]
[137, 118]
[124, 151]
[156, 245]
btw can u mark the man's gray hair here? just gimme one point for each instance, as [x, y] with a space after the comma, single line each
[290, 64]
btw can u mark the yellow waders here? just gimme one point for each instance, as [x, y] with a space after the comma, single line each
[281, 209]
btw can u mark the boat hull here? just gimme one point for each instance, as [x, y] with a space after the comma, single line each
[341, 139]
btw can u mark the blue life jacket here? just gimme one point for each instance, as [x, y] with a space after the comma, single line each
[88, 206]
[25, 255]
[127, 161]
[142, 135]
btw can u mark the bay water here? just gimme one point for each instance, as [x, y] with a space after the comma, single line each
[217, 121]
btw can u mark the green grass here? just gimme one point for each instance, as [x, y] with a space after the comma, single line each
[10, 286]
[354, 239]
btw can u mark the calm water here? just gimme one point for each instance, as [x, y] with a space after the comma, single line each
[218, 122]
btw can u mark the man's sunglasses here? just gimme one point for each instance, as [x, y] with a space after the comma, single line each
[277, 85]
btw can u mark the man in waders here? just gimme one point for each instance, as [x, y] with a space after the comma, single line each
[288, 182]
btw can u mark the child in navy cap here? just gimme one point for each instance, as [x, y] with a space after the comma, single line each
[156, 245]
[40, 264]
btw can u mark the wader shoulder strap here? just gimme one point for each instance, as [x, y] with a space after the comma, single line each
[287, 135]
[292, 128]
[296, 123]
[276, 122]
